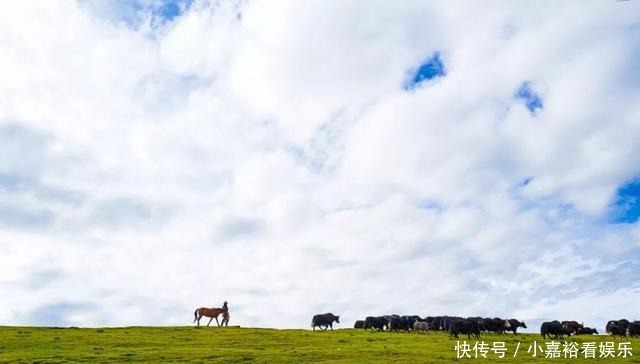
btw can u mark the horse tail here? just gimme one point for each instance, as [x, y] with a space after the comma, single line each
[195, 315]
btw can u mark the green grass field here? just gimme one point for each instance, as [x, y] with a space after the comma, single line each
[246, 345]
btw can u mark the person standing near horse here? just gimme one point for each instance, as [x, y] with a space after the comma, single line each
[225, 314]
[213, 312]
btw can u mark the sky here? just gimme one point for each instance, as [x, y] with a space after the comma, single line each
[292, 158]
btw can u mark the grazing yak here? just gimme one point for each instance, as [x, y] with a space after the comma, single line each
[443, 322]
[464, 326]
[618, 325]
[421, 327]
[551, 328]
[496, 325]
[616, 330]
[359, 324]
[573, 325]
[586, 331]
[400, 323]
[448, 320]
[325, 319]
[633, 330]
[568, 330]
[373, 322]
[413, 319]
[513, 326]
[436, 323]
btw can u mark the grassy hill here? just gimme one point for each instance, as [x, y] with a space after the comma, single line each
[247, 345]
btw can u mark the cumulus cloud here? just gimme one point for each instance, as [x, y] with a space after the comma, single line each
[296, 158]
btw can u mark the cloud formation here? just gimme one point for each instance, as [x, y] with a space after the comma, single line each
[156, 156]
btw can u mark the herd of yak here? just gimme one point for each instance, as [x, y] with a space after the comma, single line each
[558, 329]
[474, 326]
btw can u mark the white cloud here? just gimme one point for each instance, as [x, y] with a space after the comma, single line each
[267, 154]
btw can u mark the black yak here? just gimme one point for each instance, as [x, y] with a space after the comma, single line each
[514, 324]
[372, 322]
[325, 319]
[551, 328]
[464, 326]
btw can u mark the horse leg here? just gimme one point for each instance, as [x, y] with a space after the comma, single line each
[218, 322]
[209, 321]
[331, 326]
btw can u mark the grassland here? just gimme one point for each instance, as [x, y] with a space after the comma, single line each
[247, 345]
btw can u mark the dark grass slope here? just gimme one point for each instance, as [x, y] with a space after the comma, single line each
[246, 345]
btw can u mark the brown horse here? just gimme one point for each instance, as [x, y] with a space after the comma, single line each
[213, 312]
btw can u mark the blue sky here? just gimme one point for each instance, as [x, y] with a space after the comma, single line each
[315, 154]
[428, 70]
[626, 204]
[172, 9]
[134, 13]
[531, 99]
